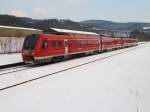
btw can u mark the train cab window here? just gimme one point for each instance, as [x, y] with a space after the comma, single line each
[53, 44]
[45, 44]
[30, 42]
[59, 44]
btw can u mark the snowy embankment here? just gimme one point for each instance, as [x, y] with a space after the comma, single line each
[116, 84]
[10, 44]
[10, 58]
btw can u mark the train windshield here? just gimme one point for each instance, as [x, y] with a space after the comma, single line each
[30, 42]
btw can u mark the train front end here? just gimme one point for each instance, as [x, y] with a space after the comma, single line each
[29, 48]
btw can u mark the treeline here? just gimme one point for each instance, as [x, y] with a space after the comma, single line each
[90, 25]
[8, 20]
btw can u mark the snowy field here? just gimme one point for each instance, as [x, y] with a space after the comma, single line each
[10, 58]
[120, 83]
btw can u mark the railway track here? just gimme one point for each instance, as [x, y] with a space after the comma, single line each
[11, 65]
[59, 71]
[16, 69]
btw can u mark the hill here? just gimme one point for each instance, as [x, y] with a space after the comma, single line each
[97, 26]
[9, 20]
[115, 26]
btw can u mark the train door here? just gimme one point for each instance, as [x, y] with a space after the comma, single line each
[122, 42]
[66, 46]
[101, 44]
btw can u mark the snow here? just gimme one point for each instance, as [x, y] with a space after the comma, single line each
[10, 58]
[146, 28]
[21, 28]
[116, 84]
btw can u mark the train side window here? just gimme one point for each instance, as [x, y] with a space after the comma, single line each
[74, 43]
[79, 44]
[59, 44]
[53, 44]
[45, 44]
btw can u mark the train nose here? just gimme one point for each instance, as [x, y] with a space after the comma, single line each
[28, 56]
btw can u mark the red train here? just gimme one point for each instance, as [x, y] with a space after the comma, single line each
[59, 43]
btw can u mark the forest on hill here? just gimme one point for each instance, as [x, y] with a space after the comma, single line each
[135, 28]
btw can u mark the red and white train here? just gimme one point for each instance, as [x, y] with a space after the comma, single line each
[60, 43]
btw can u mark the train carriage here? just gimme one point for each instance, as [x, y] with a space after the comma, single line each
[59, 43]
[109, 43]
[56, 44]
[127, 42]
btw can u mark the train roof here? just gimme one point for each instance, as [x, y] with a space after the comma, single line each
[110, 38]
[66, 31]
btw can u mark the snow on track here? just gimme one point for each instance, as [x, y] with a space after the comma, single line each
[116, 84]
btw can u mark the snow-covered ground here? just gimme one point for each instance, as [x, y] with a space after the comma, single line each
[120, 83]
[10, 58]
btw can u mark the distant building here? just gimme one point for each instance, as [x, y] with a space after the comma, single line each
[114, 33]
[121, 33]
[146, 29]
[9, 41]
[9, 31]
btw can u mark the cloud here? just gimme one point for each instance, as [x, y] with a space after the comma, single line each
[39, 11]
[18, 13]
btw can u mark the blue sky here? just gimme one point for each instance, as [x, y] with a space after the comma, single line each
[78, 10]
